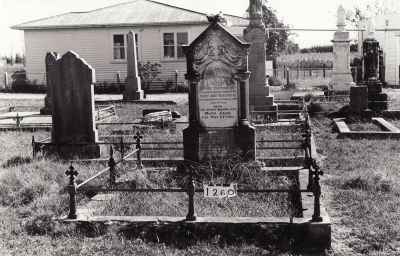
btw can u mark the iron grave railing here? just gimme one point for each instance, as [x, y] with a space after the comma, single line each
[73, 188]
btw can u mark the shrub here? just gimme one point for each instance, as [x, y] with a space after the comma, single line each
[273, 81]
[308, 97]
[183, 87]
[291, 86]
[147, 73]
[314, 108]
[21, 85]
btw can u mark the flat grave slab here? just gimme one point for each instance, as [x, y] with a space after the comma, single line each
[388, 130]
[300, 95]
[28, 118]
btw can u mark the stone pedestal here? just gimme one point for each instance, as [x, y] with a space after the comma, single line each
[133, 89]
[204, 144]
[359, 98]
[259, 96]
[341, 74]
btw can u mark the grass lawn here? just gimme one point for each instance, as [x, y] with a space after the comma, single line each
[360, 190]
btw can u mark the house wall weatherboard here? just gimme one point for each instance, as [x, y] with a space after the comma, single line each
[94, 45]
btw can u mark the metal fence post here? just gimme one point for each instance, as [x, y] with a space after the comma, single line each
[191, 216]
[118, 83]
[72, 192]
[138, 138]
[111, 164]
[317, 193]
[176, 81]
[33, 147]
[287, 76]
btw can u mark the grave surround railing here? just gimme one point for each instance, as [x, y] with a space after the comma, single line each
[310, 163]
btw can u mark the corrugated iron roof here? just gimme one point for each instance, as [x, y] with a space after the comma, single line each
[139, 12]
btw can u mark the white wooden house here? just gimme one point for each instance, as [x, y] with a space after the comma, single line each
[388, 35]
[100, 37]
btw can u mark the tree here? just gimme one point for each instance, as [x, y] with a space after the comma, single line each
[278, 41]
[147, 72]
[359, 13]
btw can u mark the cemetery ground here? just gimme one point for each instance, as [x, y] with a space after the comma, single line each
[360, 190]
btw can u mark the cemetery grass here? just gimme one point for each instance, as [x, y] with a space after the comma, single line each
[360, 191]
[33, 195]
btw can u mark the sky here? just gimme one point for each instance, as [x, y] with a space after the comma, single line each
[300, 14]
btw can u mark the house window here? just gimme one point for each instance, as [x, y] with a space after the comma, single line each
[172, 42]
[120, 46]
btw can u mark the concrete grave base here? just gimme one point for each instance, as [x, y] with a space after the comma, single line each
[132, 95]
[90, 151]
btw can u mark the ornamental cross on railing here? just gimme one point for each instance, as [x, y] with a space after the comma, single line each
[18, 119]
[121, 147]
[71, 172]
[138, 137]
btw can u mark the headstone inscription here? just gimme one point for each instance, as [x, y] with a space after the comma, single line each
[341, 74]
[73, 119]
[133, 89]
[218, 97]
[50, 60]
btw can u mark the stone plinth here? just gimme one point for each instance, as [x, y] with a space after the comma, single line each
[259, 96]
[359, 98]
[73, 105]
[51, 58]
[218, 97]
[204, 144]
[133, 89]
[341, 74]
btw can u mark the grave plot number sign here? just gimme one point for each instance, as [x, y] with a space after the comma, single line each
[218, 97]
[218, 191]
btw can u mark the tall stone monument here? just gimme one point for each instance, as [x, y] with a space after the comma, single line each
[255, 34]
[218, 97]
[133, 89]
[74, 130]
[341, 74]
[376, 99]
[50, 60]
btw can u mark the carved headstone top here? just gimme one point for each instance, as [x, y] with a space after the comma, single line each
[50, 60]
[256, 6]
[370, 28]
[216, 44]
[214, 59]
[72, 100]
[341, 15]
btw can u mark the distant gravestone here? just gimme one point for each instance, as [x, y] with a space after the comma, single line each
[218, 97]
[73, 106]
[50, 60]
[341, 75]
[133, 89]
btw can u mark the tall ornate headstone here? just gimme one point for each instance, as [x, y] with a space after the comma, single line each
[341, 74]
[376, 99]
[255, 34]
[133, 89]
[218, 97]
[51, 58]
[73, 107]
